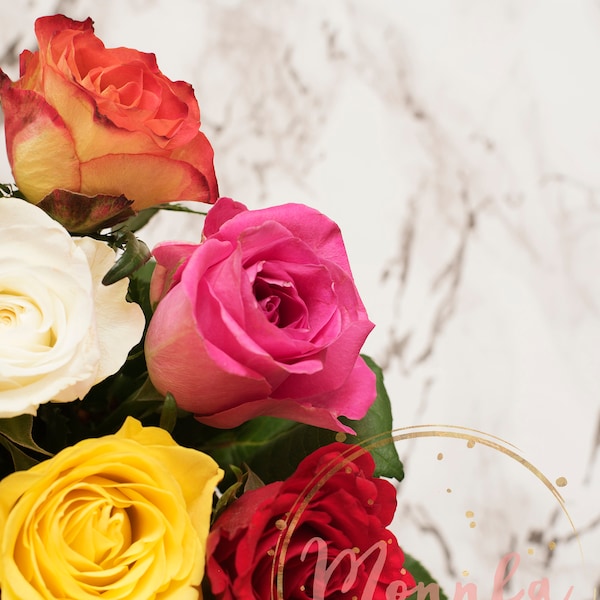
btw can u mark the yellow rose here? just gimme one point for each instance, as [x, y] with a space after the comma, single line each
[125, 516]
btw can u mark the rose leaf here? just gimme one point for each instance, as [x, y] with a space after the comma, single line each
[18, 431]
[79, 213]
[134, 256]
[21, 461]
[168, 413]
[421, 575]
[374, 430]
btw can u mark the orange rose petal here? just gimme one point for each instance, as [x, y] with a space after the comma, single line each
[47, 29]
[32, 128]
[29, 67]
[93, 134]
[143, 178]
[200, 153]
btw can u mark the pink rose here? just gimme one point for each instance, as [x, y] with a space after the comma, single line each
[261, 318]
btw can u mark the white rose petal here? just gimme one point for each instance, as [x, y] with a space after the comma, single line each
[114, 317]
[61, 331]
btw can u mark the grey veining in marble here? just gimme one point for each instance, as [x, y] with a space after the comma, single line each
[457, 145]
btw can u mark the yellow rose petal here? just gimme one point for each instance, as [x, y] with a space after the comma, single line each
[123, 517]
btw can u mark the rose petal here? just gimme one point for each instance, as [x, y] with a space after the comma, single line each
[170, 260]
[141, 502]
[315, 229]
[223, 210]
[169, 357]
[143, 178]
[112, 313]
[32, 126]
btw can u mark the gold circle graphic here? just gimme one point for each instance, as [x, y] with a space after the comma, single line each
[472, 437]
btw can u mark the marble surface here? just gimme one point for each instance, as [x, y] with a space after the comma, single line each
[457, 145]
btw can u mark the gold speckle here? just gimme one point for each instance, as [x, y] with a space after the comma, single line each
[469, 514]
[561, 481]
[354, 597]
[390, 541]
[370, 501]
[348, 470]
[402, 571]
[340, 436]
[280, 524]
[465, 573]
[471, 444]
[440, 456]
[355, 550]
[472, 524]
[530, 551]
[448, 490]
[271, 552]
[302, 588]
[552, 545]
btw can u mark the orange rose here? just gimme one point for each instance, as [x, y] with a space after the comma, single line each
[95, 120]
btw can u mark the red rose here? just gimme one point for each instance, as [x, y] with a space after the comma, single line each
[326, 525]
[261, 318]
[95, 120]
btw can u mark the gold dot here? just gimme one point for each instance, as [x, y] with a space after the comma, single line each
[355, 550]
[271, 552]
[370, 501]
[402, 571]
[302, 588]
[340, 436]
[469, 514]
[530, 551]
[552, 545]
[280, 524]
[561, 481]
[470, 443]
[354, 597]
[472, 524]
[448, 490]
[348, 470]
[465, 573]
[440, 456]
[390, 541]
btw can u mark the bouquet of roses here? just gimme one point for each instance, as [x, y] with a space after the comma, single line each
[190, 422]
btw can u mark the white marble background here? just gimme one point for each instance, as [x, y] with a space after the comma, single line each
[457, 144]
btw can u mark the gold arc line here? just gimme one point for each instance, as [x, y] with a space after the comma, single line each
[325, 473]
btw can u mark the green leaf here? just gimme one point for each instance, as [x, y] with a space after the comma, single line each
[253, 443]
[15, 436]
[18, 430]
[168, 413]
[144, 216]
[135, 254]
[21, 461]
[374, 431]
[79, 213]
[422, 576]
[139, 288]
[253, 481]
[273, 448]
[230, 495]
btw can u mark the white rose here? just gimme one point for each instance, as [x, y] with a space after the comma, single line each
[61, 330]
